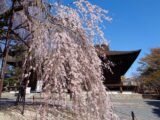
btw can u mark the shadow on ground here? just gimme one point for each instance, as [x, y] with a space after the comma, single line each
[6, 102]
[155, 107]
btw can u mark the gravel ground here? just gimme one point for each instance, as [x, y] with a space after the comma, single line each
[144, 109]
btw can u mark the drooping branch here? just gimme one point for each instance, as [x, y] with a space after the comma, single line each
[9, 12]
[19, 38]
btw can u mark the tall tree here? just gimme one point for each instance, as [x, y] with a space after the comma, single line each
[62, 46]
[150, 69]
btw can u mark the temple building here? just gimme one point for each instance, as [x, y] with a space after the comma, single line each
[120, 62]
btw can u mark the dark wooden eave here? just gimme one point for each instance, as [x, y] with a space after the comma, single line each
[122, 61]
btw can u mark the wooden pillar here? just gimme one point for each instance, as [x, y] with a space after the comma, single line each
[121, 86]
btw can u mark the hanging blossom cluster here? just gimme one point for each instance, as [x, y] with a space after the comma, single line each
[92, 17]
[86, 16]
[61, 45]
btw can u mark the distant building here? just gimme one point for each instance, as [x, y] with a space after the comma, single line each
[130, 82]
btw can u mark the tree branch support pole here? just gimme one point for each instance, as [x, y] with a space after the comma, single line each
[133, 116]
[6, 50]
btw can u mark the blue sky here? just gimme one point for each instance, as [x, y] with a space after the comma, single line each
[135, 25]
